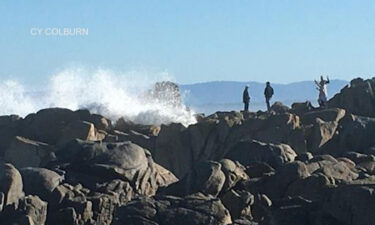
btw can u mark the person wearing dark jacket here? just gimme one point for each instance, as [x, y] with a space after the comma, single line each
[246, 98]
[268, 93]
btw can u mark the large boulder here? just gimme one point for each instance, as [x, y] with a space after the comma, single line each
[140, 139]
[216, 179]
[177, 148]
[327, 115]
[238, 204]
[351, 204]
[79, 129]
[30, 211]
[354, 133]
[319, 133]
[193, 210]
[172, 149]
[40, 181]
[78, 205]
[11, 186]
[282, 129]
[47, 124]
[99, 121]
[342, 170]
[312, 188]
[33, 209]
[205, 177]
[9, 120]
[282, 179]
[357, 98]
[248, 152]
[93, 163]
[359, 157]
[297, 211]
[126, 126]
[55, 125]
[8, 129]
[300, 108]
[279, 108]
[23, 152]
[234, 172]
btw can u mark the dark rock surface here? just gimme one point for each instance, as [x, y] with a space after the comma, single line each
[357, 98]
[300, 165]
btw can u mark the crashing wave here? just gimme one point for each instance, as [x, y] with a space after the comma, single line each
[104, 92]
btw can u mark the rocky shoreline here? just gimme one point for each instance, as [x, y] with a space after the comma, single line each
[296, 166]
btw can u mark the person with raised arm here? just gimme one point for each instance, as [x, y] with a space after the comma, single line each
[322, 88]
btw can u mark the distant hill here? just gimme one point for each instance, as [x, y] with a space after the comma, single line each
[227, 95]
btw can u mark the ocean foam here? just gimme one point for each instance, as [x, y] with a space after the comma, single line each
[100, 91]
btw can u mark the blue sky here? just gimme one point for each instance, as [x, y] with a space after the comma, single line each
[194, 41]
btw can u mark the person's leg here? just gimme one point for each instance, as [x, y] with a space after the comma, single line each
[246, 107]
[320, 103]
[324, 104]
[268, 104]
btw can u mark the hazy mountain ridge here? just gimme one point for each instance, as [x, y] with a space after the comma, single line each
[230, 92]
[208, 97]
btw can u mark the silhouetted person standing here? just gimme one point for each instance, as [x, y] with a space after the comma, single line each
[246, 98]
[322, 88]
[268, 93]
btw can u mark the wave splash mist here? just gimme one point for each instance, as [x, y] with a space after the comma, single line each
[101, 91]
